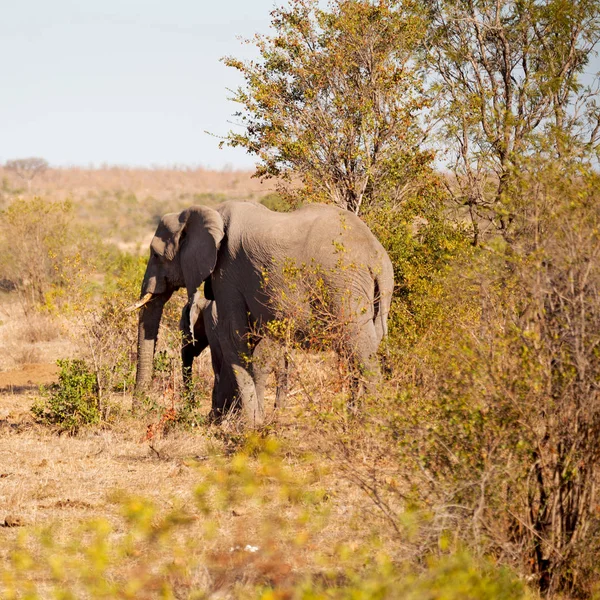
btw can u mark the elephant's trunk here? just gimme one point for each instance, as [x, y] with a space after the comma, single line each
[149, 322]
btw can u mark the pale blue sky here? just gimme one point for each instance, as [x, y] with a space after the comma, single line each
[128, 82]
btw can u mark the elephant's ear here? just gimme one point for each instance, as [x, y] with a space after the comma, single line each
[166, 239]
[199, 241]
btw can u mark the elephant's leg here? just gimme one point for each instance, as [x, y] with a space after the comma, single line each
[261, 367]
[191, 348]
[222, 386]
[188, 354]
[234, 343]
[224, 395]
[362, 351]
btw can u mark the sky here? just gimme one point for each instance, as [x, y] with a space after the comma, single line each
[123, 82]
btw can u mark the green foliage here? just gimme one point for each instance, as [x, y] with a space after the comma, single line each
[256, 472]
[509, 85]
[333, 101]
[124, 272]
[459, 575]
[451, 577]
[423, 243]
[163, 363]
[276, 202]
[73, 402]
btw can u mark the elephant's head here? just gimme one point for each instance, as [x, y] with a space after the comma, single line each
[183, 253]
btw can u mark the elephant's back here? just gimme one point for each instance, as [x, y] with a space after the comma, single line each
[315, 232]
[342, 232]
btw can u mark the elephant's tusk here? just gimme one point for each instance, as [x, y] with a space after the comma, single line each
[143, 300]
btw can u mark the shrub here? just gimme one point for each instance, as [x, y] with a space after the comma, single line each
[104, 332]
[277, 202]
[108, 331]
[36, 244]
[73, 402]
[496, 427]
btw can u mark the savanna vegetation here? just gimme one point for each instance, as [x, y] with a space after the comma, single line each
[464, 134]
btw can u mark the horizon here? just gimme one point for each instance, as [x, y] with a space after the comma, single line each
[225, 168]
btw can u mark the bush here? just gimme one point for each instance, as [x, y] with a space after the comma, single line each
[73, 402]
[109, 332]
[496, 427]
[277, 202]
[105, 333]
[36, 245]
[423, 244]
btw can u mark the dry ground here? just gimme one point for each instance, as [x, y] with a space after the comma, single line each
[47, 478]
[63, 481]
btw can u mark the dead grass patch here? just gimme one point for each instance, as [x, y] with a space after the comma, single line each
[25, 355]
[40, 328]
[75, 182]
[258, 538]
[29, 340]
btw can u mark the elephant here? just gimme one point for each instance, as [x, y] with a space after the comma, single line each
[198, 327]
[262, 267]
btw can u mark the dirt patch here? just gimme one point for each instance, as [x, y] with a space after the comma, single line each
[30, 376]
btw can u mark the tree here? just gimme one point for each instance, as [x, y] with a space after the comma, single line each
[27, 168]
[509, 83]
[333, 101]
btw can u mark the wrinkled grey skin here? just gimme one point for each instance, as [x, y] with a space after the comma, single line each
[198, 331]
[244, 251]
[198, 326]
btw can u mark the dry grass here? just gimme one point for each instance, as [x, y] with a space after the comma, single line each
[40, 328]
[46, 478]
[79, 184]
[64, 480]
[122, 205]
[29, 338]
[50, 477]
